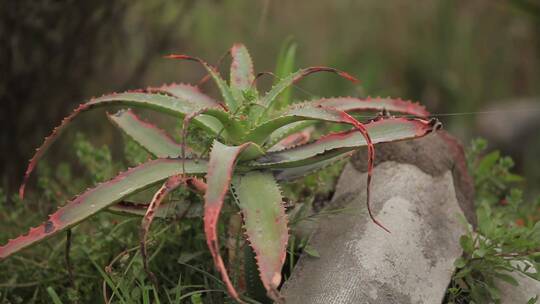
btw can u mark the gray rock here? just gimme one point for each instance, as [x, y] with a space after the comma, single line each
[528, 288]
[414, 195]
[361, 263]
[435, 155]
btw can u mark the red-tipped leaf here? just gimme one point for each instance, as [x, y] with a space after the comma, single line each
[242, 74]
[167, 104]
[265, 222]
[220, 171]
[352, 104]
[102, 196]
[170, 185]
[188, 92]
[151, 138]
[226, 92]
[286, 82]
[380, 131]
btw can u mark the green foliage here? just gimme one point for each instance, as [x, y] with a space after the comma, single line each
[507, 239]
[491, 172]
[96, 161]
[285, 65]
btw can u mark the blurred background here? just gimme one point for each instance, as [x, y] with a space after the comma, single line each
[476, 63]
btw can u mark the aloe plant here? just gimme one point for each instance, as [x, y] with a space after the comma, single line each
[251, 153]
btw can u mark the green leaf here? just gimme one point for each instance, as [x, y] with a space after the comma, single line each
[384, 130]
[188, 256]
[480, 253]
[225, 90]
[494, 292]
[220, 171]
[54, 296]
[488, 162]
[242, 75]
[394, 105]
[462, 273]
[285, 131]
[288, 174]
[290, 79]
[265, 222]
[196, 298]
[168, 186]
[311, 251]
[507, 278]
[460, 262]
[533, 300]
[187, 92]
[303, 112]
[102, 196]
[163, 103]
[466, 243]
[285, 82]
[151, 138]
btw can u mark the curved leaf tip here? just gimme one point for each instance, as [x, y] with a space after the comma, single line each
[371, 159]
[265, 223]
[102, 196]
[170, 185]
[220, 170]
[316, 69]
[241, 75]
[225, 90]
[46, 143]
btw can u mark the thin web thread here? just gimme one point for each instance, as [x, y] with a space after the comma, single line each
[518, 110]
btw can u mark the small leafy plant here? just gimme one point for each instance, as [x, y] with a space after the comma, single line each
[507, 239]
[258, 141]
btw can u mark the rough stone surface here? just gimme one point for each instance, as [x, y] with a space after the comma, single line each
[435, 155]
[361, 263]
[528, 288]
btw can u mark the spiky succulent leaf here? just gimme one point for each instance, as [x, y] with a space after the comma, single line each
[168, 186]
[242, 74]
[269, 99]
[286, 131]
[194, 95]
[186, 92]
[102, 196]
[302, 112]
[295, 139]
[163, 103]
[352, 104]
[307, 112]
[380, 131]
[225, 90]
[265, 222]
[220, 171]
[150, 137]
[165, 209]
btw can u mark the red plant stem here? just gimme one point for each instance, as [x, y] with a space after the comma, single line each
[371, 157]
